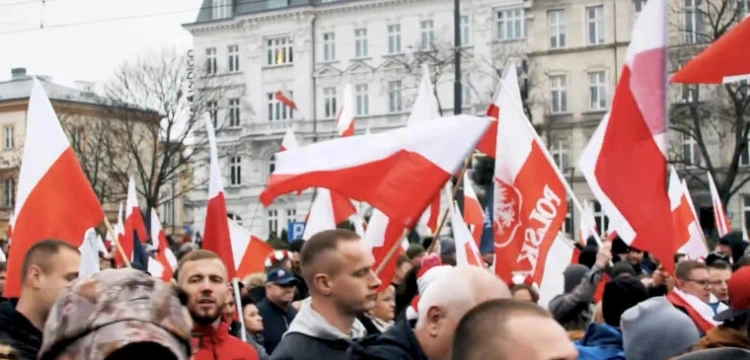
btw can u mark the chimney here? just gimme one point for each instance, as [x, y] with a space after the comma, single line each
[17, 73]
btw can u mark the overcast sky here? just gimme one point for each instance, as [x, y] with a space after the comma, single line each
[88, 52]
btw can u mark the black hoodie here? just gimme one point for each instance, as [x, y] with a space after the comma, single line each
[397, 343]
[18, 332]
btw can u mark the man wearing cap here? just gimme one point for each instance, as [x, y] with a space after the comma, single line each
[276, 308]
[733, 332]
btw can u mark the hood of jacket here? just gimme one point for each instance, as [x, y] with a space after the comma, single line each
[600, 342]
[398, 342]
[309, 322]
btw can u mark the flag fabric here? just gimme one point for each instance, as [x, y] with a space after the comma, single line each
[89, 250]
[249, 251]
[285, 100]
[216, 229]
[700, 312]
[487, 242]
[382, 234]
[345, 118]
[724, 61]
[721, 220]
[327, 211]
[697, 247]
[687, 235]
[624, 162]
[508, 83]
[164, 255]
[140, 256]
[467, 252]
[289, 141]
[529, 198]
[473, 213]
[360, 225]
[398, 171]
[553, 262]
[588, 224]
[133, 222]
[50, 184]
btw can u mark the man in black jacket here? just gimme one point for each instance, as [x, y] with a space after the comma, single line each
[276, 308]
[48, 267]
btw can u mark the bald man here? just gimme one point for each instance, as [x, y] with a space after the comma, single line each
[502, 329]
[441, 308]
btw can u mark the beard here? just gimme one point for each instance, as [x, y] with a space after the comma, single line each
[203, 317]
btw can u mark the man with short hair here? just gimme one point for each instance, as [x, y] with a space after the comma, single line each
[692, 294]
[441, 307]
[693, 279]
[733, 332]
[276, 308]
[503, 328]
[337, 267]
[719, 273]
[202, 278]
[47, 268]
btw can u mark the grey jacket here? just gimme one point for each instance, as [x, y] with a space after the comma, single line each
[573, 310]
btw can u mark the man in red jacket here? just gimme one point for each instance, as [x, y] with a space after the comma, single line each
[202, 278]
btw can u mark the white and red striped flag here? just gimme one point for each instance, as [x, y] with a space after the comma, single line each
[721, 221]
[467, 252]
[164, 256]
[50, 184]
[473, 213]
[382, 234]
[345, 118]
[553, 262]
[133, 225]
[625, 160]
[397, 171]
[249, 251]
[687, 234]
[285, 100]
[529, 198]
[289, 141]
[216, 229]
[509, 83]
[588, 224]
[327, 211]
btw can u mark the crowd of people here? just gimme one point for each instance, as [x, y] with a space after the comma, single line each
[321, 299]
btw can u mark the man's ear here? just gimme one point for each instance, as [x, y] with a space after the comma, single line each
[34, 276]
[432, 320]
[323, 284]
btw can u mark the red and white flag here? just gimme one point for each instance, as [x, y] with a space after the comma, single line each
[473, 212]
[625, 161]
[529, 198]
[345, 118]
[216, 229]
[164, 255]
[508, 83]
[467, 252]
[700, 312]
[553, 262]
[588, 224]
[397, 171]
[50, 185]
[327, 211]
[133, 225]
[289, 141]
[285, 100]
[382, 234]
[687, 234]
[721, 220]
[249, 251]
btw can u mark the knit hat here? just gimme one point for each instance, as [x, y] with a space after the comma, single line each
[620, 268]
[447, 246]
[620, 294]
[588, 256]
[654, 329]
[573, 275]
[276, 257]
[414, 250]
[103, 313]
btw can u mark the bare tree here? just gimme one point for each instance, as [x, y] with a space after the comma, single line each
[712, 116]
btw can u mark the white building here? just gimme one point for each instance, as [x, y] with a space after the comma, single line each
[309, 49]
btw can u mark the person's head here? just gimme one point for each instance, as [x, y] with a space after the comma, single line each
[654, 329]
[446, 300]
[337, 267]
[719, 273]
[415, 253]
[692, 278]
[635, 256]
[619, 295]
[294, 249]
[502, 329]
[524, 292]
[3, 269]
[448, 251]
[228, 310]
[724, 245]
[385, 306]
[402, 267]
[587, 256]
[251, 315]
[622, 269]
[48, 267]
[573, 275]
[202, 277]
[280, 285]
[117, 314]
[679, 257]
[739, 301]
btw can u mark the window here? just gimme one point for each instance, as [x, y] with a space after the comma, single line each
[273, 222]
[329, 100]
[597, 91]
[743, 9]
[234, 58]
[558, 94]
[211, 61]
[235, 170]
[279, 51]
[637, 8]
[8, 136]
[511, 24]
[394, 96]
[9, 193]
[556, 23]
[745, 211]
[277, 110]
[329, 46]
[394, 39]
[428, 35]
[465, 90]
[168, 208]
[568, 224]
[222, 9]
[363, 99]
[693, 21]
[688, 93]
[360, 43]
[291, 215]
[234, 112]
[595, 25]
[274, 4]
[234, 217]
[212, 107]
[691, 153]
[271, 164]
[559, 154]
[601, 220]
[465, 30]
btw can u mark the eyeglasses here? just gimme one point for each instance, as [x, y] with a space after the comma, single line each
[704, 283]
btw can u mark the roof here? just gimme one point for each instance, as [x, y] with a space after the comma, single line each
[18, 89]
[247, 7]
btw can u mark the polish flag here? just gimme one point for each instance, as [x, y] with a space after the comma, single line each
[467, 252]
[360, 225]
[133, 222]
[625, 162]
[3, 258]
[721, 221]
[90, 247]
[249, 251]
[285, 100]
[164, 255]
[289, 141]
[327, 211]
[473, 213]
[345, 118]
[529, 198]
[588, 224]
[550, 277]
[510, 79]
[687, 234]
[216, 229]
[701, 313]
[382, 234]
[397, 171]
[724, 61]
[50, 185]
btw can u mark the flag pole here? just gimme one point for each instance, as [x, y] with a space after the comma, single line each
[444, 216]
[238, 308]
[391, 252]
[117, 243]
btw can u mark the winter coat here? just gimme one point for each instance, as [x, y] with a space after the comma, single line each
[601, 342]
[211, 343]
[397, 343]
[276, 322]
[18, 332]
